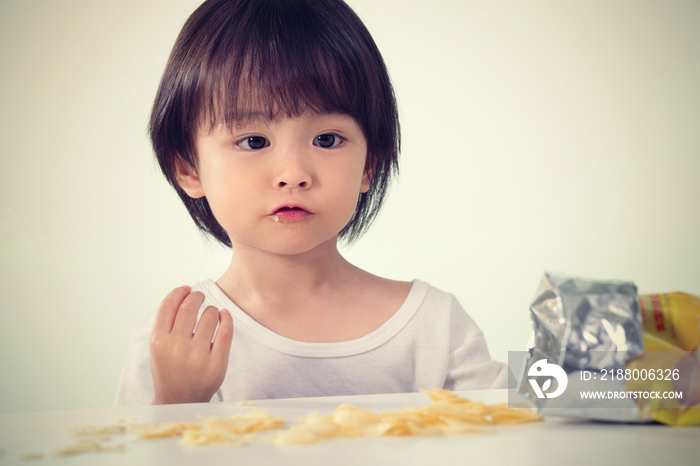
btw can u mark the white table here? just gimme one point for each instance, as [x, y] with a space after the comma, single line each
[553, 442]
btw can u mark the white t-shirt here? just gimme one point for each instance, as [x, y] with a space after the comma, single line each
[429, 342]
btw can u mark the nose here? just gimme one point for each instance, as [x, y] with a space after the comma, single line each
[293, 170]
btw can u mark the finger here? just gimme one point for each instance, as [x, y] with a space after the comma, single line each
[168, 309]
[207, 325]
[224, 335]
[187, 314]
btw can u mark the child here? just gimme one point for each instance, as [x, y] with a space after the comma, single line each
[276, 124]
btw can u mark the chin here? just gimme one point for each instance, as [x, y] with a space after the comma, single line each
[293, 244]
[291, 248]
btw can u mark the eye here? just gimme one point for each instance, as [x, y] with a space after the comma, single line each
[327, 140]
[253, 143]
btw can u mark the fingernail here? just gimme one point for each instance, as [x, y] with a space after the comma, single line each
[225, 311]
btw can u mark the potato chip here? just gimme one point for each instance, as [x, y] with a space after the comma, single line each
[166, 429]
[229, 432]
[217, 438]
[32, 456]
[440, 394]
[514, 416]
[98, 430]
[357, 422]
[87, 445]
[316, 427]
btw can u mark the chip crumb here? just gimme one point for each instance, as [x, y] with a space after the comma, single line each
[87, 445]
[166, 429]
[245, 403]
[2, 451]
[32, 456]
[92, 430]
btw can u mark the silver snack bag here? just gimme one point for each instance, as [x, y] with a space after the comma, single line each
[581, 327]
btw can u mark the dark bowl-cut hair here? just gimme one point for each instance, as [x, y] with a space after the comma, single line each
[234, 58]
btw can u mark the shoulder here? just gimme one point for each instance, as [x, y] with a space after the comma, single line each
[390, 293]
[436, 299]
[444, 311]
[212, 294]
[443, 304]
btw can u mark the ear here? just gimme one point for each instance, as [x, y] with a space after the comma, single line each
[366, 179]
[187, 178]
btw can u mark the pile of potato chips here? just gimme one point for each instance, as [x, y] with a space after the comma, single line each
[447, 414]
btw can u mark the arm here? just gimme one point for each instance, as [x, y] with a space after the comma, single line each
[186, 366]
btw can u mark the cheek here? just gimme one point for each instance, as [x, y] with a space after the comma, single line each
[225, 192]
[348, 192]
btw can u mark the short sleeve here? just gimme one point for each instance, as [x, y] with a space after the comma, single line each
[136, 383]
[470, 366]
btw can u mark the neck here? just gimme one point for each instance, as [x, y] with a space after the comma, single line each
[258, 276]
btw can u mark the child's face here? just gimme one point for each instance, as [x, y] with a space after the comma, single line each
[284, 186]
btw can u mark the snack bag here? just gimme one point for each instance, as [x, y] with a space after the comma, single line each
[615, 356]
[672, 341]
[671, 321]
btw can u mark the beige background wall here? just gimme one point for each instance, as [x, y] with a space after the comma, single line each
[538, 135]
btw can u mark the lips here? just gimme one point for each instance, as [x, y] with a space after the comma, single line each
[289, 213]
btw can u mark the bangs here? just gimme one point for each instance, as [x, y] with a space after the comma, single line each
[276, 60]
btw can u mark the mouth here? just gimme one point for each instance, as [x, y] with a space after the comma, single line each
[289, 213]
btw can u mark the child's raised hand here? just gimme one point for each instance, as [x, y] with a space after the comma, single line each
[187, 367]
